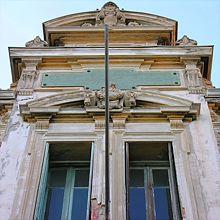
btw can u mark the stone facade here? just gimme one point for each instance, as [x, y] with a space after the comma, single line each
[186, 114]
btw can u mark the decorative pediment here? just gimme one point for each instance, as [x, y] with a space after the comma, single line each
[60, 31]
[109, 14]
[86, 104]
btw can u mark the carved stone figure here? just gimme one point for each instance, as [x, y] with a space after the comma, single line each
[115, 98]
[186, 41]
[36, 42]
[89, 98]
[111, 15]
[130, 99]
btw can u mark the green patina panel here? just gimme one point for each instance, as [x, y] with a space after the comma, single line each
[123, 78]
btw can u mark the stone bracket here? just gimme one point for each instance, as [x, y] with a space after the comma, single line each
[192, 75]
[42, 122]
[176, 123]
[28, 75]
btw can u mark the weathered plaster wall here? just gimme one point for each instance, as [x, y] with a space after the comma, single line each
[11, 157]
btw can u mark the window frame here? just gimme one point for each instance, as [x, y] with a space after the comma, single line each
[149, 166]
[40, 208]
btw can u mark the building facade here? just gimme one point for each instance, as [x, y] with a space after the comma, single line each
[164, 122]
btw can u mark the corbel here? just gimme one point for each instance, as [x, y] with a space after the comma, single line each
[99, 122]
[42, 122]
[192, 75]
[28, 75]
[119, 121]
[176, 123]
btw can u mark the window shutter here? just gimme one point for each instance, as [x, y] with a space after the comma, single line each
[90, 181]
[42, 190]
[127, 178]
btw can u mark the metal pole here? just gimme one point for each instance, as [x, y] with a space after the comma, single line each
[106, 124]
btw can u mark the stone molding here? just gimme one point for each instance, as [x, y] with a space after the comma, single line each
[51, 106]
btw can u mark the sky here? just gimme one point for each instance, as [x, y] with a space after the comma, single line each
[21, 21]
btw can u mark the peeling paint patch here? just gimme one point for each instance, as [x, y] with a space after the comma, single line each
[97, 210]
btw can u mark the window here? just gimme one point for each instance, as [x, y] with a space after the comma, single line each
[65, 187]
[151, 188]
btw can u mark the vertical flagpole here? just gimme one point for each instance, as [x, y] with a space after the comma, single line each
[106, 124]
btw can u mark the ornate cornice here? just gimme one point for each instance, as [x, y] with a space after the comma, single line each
[130, 109]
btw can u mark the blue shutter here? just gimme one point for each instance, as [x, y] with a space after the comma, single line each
[42, 190]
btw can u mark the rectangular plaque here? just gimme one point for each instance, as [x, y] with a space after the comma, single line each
[123, 78]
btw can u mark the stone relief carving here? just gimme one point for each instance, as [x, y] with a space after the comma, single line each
[130, 99]
[86, 24]
[186, 41]
[134, 23]
[111, 15]
[115, 98]
[36, 42]
[28, 76]
[193, 76]
[89, 98]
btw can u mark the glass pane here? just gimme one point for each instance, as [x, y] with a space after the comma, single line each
[82, 178]
[79, 206]
[137, 200]
[160, 177]
[57, 178]
[136, 177]
[54, 204]
[55, 194]
[137, 204]
[162, 197]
